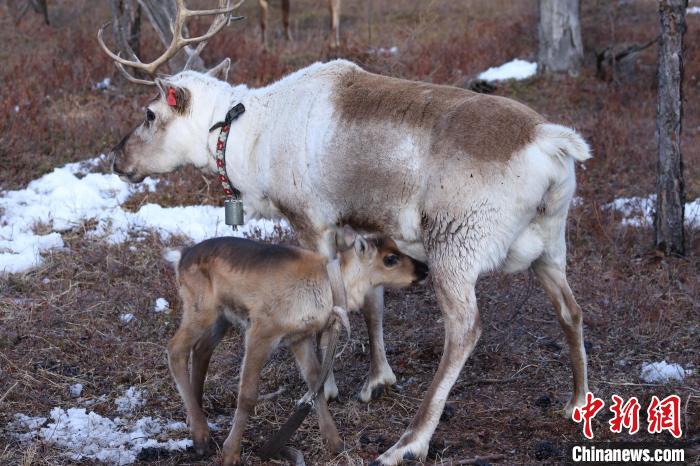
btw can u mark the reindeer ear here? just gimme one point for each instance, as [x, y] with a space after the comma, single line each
[221, 70]
[177, 98]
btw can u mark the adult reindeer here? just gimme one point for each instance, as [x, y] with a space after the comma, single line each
[466, 181]
[333, 10]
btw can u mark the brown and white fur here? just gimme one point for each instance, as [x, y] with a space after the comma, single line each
[277, 293]
[466, 182]
[333, 9]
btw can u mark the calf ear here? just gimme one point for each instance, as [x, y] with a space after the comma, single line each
[221, 70]
[345, 238]
[361, 246]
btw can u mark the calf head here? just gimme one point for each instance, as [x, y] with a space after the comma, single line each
[376, 261]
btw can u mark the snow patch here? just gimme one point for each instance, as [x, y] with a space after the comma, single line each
[126, 318]
[639, 211]
[70, 195]
[386, 52]
[161, 305]
[132, 399]
[516, 69]
[89, 436]
[663, 372]
[693, 10]
[102, 85]
[75, 390]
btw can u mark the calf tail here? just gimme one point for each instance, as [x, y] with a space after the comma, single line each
[173, 256]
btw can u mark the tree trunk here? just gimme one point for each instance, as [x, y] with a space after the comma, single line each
[560, 46]
[126, 27]
[670, 198]
[162, 14]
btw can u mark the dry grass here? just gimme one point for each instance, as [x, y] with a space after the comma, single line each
[59, 324]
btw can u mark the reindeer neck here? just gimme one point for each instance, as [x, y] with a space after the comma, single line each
[253, 146]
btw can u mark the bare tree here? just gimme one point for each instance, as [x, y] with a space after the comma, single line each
[670, 196]
[126, 26]
[560, 45]
[161, 14]
[39, 6]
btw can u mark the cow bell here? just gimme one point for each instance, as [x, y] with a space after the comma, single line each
[233, 209]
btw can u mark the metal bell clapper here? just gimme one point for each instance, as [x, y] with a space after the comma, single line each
[233, 210]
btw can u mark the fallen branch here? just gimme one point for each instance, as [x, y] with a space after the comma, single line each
[8, 391]
[275, 394]
[478, 459]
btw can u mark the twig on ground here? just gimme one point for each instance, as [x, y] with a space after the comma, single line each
[477, 459]
[2, 398]
[273, 395]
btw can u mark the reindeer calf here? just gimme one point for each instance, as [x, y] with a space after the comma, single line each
[278, 293]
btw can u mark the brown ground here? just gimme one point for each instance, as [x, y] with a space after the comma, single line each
[638, 306]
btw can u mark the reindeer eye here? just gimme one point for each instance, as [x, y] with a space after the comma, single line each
[391, 260]
[150, 116]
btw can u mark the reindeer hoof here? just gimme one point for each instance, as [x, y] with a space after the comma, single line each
[377, 391]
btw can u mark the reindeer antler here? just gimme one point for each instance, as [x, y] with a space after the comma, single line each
[183, 13]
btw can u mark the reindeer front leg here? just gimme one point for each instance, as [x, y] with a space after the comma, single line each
[454, 286]
[380, 373]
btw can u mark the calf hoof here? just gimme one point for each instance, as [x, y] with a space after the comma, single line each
[336, 446]
[201, 448]
[330, 391]
[201, 444]
[231, 460]
[573, 404]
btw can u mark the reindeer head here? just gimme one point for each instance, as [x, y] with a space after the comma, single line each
[375, 261]
[170, 135]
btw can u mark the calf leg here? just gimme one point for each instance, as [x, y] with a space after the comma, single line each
[455, 293]
[380, 373]
[194, 325]
[305, 353]
[201, 355]
[257, 349]
[553, 279]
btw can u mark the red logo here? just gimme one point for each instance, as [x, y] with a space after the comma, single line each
[665, 415]
[626, 415]
[587, 412]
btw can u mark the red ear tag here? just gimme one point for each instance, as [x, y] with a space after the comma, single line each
[172, 101]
